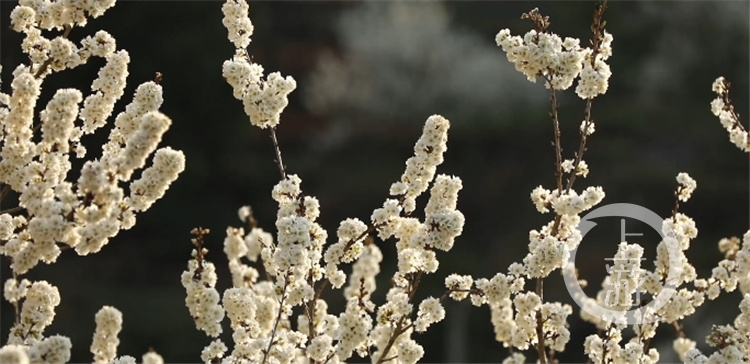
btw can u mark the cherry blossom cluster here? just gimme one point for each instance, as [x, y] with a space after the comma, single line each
[671, 274]
[55, 211]
[733, 341]
[722, 107]
[559, 61]
[264, 99]
[519, 317]
[202, 298]
[687, 186]
[108, 325]
[86, 213]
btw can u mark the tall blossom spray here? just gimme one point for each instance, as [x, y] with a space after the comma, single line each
[56, 213]
[298, 264]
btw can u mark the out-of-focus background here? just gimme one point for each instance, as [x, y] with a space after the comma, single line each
[369, 75]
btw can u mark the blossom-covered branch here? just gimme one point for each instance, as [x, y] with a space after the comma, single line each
[54, 212]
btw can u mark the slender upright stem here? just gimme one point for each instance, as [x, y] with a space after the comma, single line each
[278, 319]
[558, 147]
[539, 328]
[597, 29]
[392, 340]
[400, 328]
[16, 307]
[581, 145]
[558, 152]
[279, 161]
[540, 347]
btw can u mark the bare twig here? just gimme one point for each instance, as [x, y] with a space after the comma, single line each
[279, 161]
[540, 347]
[597, 29]
[5, 191]
[12, 210]
[198, 242]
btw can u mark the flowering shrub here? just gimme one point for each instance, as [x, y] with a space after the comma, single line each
[275, 307]
[56, 212]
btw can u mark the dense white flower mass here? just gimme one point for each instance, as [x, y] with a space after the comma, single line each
[587, 127]
[152, 358]
[37, 312]
[237, 23]
[721, 106]
[264, 99]
[58, 213]
[430, 311]
[14, 354]
[420, 169]
[156, 179]
[733, 341]
[108, 325]
[202, 297]
[559, 61]
[687, 186]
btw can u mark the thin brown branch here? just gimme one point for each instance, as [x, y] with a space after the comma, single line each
[279, 161]
[581, 146]
[12, 210]
[400, 328]
[16, 308]
[310, 310]
[469, 291]
[252, 223]
[48, 61]
[678, 327]
[319, 292]
[676, 203]
[597, 30]
[4, 193]
[730, 107]
[198, 241]
[540, 347]
[556, 143]
[558, 150]
[278, 319]
[392, 340]
[414, 284]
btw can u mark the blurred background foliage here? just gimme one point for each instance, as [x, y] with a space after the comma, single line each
[369, 75]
